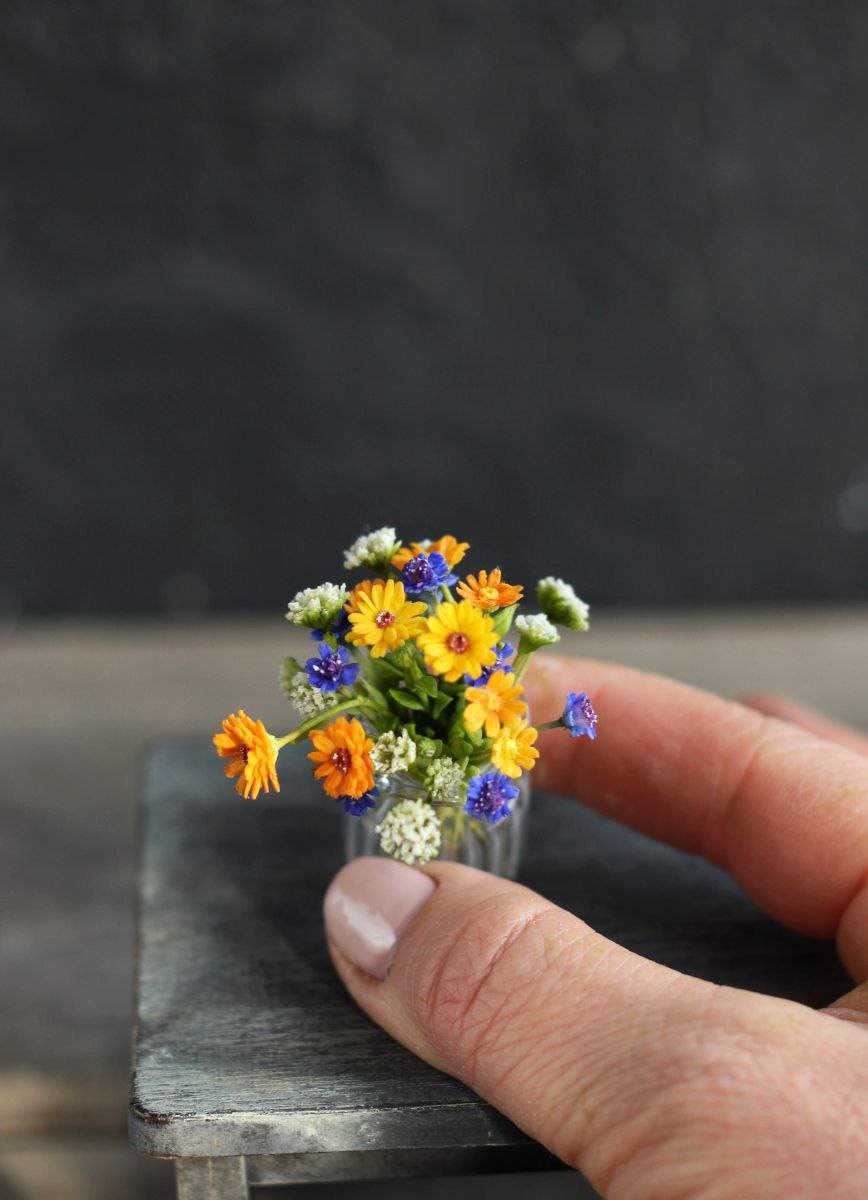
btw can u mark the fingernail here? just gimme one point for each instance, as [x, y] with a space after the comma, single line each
[369, 904]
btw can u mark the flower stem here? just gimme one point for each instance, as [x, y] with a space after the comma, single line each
[447, 592]
[558, 724]
[520, 666]
[296, 735]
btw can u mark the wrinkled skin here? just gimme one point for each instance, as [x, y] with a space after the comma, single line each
[655, 1085]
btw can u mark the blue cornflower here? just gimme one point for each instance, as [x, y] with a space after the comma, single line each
[426, 573]
[340, 628]
[579, 716]
[503, 653]
[332, 670]
[488, 796]
[359, 804]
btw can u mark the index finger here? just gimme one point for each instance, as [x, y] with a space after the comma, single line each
[785, 812]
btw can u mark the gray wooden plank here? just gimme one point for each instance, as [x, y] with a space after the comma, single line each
[246, 1042]
[419, 1163]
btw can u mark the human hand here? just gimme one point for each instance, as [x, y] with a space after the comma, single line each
[655, 1085]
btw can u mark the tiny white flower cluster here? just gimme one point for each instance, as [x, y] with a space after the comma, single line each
[308, 700]
[410, 832]
[317, 607]
[393, 752]
[560, 603]
[372, 549]
[536, 630]
[445, 779]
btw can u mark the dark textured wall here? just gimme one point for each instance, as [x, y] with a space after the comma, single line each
[583, 282]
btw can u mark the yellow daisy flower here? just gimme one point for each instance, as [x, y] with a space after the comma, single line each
[495, 704]
[458, 640]
[342, 752]
[513, 750]
[451, 549]
[488, 591]
[252, 754]
[382, 617]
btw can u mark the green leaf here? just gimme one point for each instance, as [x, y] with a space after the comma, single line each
[408, 700]
[460, 748]
[428, 685]
[413, 673]
[503, 621]
[374, 692]
[380, 667]
[483, 754]
[441, 704]
[457, 727]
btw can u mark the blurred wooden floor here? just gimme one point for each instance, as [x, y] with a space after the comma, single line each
[80, 702]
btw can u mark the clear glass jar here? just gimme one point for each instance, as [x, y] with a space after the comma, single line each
[495, 848]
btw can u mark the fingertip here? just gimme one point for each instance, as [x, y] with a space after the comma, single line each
[368, 906]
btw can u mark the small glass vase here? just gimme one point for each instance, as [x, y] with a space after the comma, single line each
[495, 848]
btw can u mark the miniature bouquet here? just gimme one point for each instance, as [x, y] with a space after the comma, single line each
[411, 700]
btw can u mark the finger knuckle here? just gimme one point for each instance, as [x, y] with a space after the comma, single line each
[464, 988]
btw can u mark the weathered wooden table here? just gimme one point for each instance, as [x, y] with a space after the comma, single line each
[252, 1066]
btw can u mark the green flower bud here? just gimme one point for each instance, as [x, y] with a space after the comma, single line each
[536, 630]
[318, 607]
[561, 605]
[375, 550]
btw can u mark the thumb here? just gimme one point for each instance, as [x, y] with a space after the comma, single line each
[621, 1067]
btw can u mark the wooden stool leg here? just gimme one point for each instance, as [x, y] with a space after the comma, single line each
[211, 1179]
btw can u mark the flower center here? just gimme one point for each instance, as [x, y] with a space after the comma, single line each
[341, 759]
[384, 619]
[244, 753]
[458, 642]
[488, 595]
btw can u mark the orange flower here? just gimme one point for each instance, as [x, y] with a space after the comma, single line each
[488, 592]
[363, 588]
[451, 549]
[252, 754]
[343, 754]
[494, 704]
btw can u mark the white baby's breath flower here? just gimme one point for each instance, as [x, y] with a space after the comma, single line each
[560, 603]
[372, 549]
[393, 752]
[444, 779]
[410, 832]
[536, 630]
[317, 607]
[310, 701]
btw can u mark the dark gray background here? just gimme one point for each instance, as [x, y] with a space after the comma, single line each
[583, 282]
